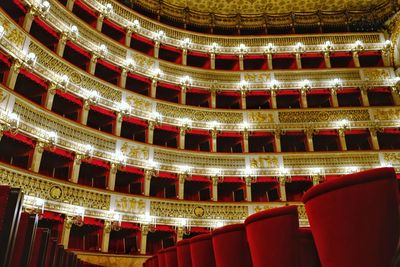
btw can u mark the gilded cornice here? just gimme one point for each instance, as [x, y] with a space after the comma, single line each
[59, 16]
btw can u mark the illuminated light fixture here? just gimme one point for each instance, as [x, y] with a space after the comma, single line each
[124, 108]
[213, 125]
[299, 47]
[242, 48]
[2, 31]
[135, 25]
[12, 122]
[151, 164]
[108, 9]
[157, 117]
[157, 73]
[386, 164]
[245, 125]
[186, 81]
[343, 124]
[130, 63]
[351, 169]
[306, 84]
[275, 85]
[64, 81]
[244, 85]
[185, 43]
[328, 46]
[93, 96]
[214, 47]
[116, 222]
[119, 158]
[387, 44]
[185, 122]
[45, 7]
[248, 172]
[78, 217]
[270, 48]
[86, 149]
[215, 171]
[185, 169]
[159, 36]
[74, 32]
[31, 59]
[103, 50]
[316, 171]
[218, 224]
[283, 171]
[358, 45]
[336, 83]
[33, 205]
[51, 137]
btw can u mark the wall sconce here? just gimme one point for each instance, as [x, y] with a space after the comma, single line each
[336, 84]
[11, 122]
[73, 32]
[242, 49]
[157, 74]
[274, 85]
[214, 48]
[34, 205]
[186, 82]
[108, 9]
[358, 46]
[186, 43]
[328, 46]
[44, 7]
[130, 64]
[2, 31]
[93, 96]
[30, 59]
[299, 47]
[86, 150]
[124, 108]
[269, 48]
[159, 36]
[135, 25]
[103, 50]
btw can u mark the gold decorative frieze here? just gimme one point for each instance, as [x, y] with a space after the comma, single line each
[330, 161]
[323, 116]
[264, 162]
[216, 211]
[200, 115]
[11, 32]
[129, 205]
[386, 114]
[260, 117]
[134, 151]
[50, 189]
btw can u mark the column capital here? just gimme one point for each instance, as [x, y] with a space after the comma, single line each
[107, 226]
[144, 229]
[182, 177]
[249, 180]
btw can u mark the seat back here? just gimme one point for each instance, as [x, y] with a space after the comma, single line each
[355, 219]
[171, 259]
[202, 252]
[161, 258]
[183, 253]
[273, 237]
[230, 246]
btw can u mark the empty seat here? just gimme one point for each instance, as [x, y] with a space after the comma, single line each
[230, 246]
[273, 237]
[201, 250]
[183, 253]
[308, 252]
[171, 259]
[355, 219]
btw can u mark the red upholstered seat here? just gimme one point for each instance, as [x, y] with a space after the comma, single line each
[230, 246]
[171, 259]
[273, 237]
[201, 250]
[183, 253]
[154, 261]
[161, 258]
[355, 219]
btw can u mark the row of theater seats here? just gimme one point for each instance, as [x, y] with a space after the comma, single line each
[354, 223]
[23, 243]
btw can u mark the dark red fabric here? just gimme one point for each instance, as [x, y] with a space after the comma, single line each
[46, 27]
[308, 251]
[131, 169]
[272, 237]
[70, 98]
[230, 246]
[171, 259]
[103, 111]
[93, 221]
[113, 25]
[142, 39]
[161, 258]
[21, 238]
[109, 66]
[33, 77]
[48, 215]
[20, 138]
[361, 226]
[168, 175]
[201, 250]
[199, 178]
[78, 49]
[86, 8]
[5, 60]
[233, 180]
[183, 253]
[135, 121]
[34, 261]
[128, 225]
[139, 78]
[97, 162]
[169, 86]
[171, 48]
[61, 152]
